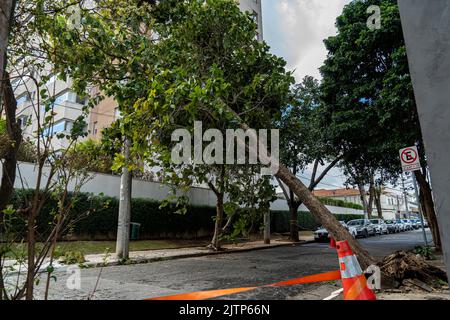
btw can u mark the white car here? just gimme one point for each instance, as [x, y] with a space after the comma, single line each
[408, 224]
[380, 226]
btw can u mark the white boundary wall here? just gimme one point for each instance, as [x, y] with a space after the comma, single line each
[109, 186]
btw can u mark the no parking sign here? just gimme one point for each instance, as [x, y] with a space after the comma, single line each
[410, 159]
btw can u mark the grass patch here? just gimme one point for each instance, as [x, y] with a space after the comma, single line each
[92, 247]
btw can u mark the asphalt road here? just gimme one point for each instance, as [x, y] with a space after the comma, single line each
[223, 271]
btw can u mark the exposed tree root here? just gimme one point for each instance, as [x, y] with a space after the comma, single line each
[410, 269]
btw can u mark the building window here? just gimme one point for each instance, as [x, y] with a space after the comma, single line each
[95, 128]
[69, 96]
[23, 121]
[58, 127]
[255, 16]
[23, 98]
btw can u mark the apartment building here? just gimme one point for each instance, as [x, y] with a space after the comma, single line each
[68, 105]
[66, 108]
[107, 111]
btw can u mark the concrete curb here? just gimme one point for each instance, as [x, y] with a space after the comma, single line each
[191, 255]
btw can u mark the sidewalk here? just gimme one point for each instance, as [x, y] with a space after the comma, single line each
[95, 260]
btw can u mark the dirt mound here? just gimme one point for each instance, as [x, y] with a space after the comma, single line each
[409, 269]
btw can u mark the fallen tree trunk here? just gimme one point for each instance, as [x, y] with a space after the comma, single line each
[317, 209]
[323, 215]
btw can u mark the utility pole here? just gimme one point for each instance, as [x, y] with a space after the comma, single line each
[398, 207]
[420, 209]
[405, 194]
[123, 227]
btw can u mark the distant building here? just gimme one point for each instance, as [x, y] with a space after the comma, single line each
[392, 201]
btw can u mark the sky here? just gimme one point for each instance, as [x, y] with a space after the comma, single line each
[295, 30]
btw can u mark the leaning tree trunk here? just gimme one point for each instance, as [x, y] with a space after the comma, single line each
[323, 215]
[427, 203]
[317, 209]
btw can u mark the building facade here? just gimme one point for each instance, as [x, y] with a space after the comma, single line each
[68, 106]
[392, 201]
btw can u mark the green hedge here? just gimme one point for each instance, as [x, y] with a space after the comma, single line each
[101, 223]
[306, 221]
[156, 223]
[340, 203]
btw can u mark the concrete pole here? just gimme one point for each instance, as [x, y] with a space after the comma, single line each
[267, 226]
[398, 208]
[426, 27]
[123, 227]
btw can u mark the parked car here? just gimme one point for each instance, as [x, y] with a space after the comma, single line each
[401, 225]
[362, 227]
[392, 226]
[416, 224]
[408, 224]
[380, 226]
[321, 234]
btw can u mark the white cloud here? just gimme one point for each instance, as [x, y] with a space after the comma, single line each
[301, 27]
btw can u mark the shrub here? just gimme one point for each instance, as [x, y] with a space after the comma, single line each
[99, 215]
[340, 203]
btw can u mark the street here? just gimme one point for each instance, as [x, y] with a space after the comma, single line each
[223, 271]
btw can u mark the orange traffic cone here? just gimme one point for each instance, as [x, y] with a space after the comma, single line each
[332, 243]
[353, 280]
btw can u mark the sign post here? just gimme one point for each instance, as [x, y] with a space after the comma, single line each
[409, 158]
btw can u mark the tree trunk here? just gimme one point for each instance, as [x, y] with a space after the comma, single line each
[267, 224]
[427, 203]
[219, 192]
[323, 215]
[293, 232]
[371, 198]
[7, 8]
[317, 209]
[215, 242]
[362, 194]
[15, 136]
[31, 242]
[378, 204]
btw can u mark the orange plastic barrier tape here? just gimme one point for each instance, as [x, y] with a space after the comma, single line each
[322, 277]
[201, 295]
